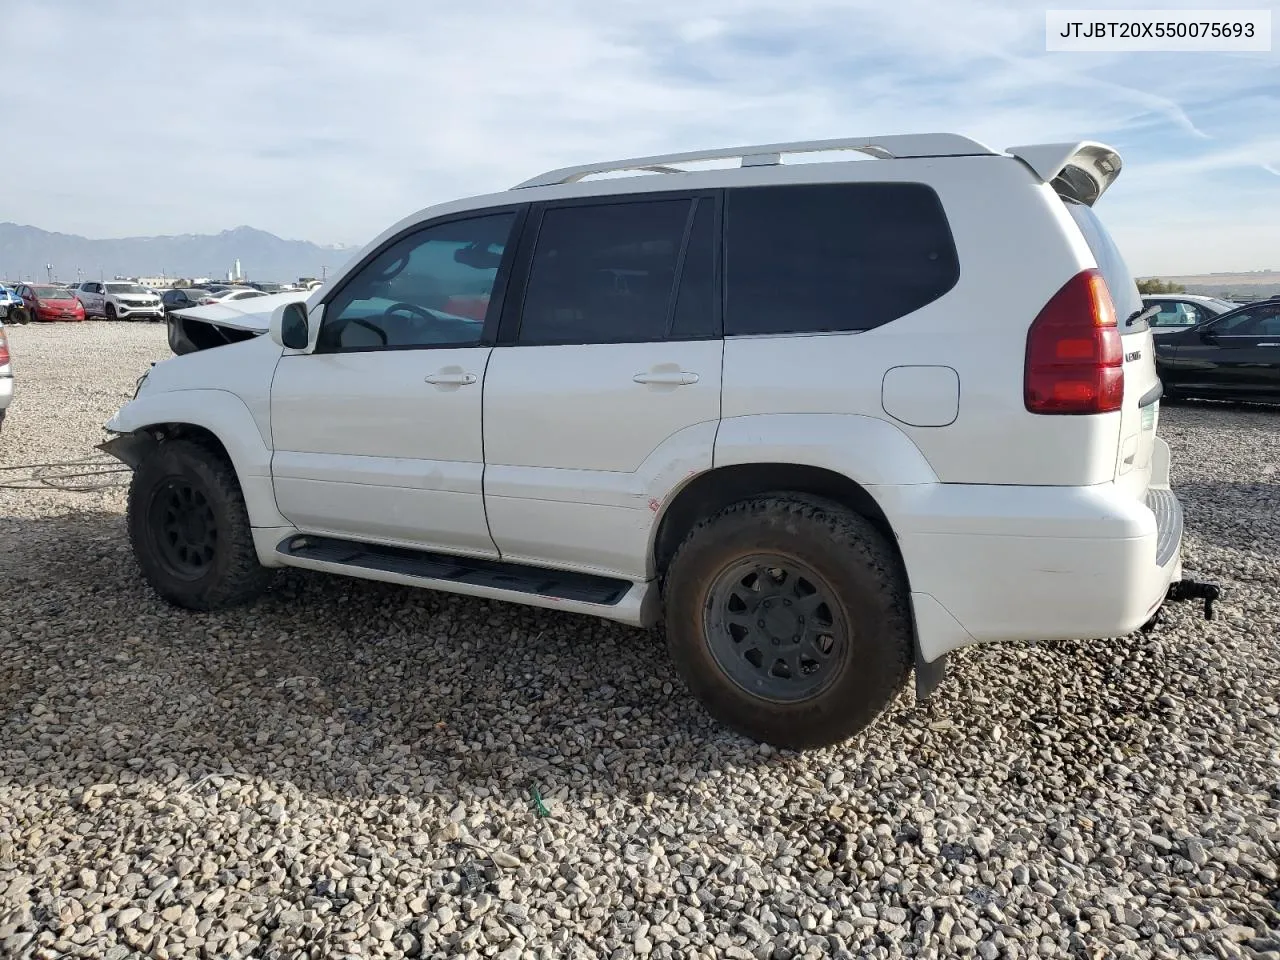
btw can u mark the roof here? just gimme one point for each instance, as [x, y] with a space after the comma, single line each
[1081, 169]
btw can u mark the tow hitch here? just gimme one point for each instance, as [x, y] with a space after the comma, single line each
[1187, 590]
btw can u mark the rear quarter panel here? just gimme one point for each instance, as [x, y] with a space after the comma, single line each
[1017, 247]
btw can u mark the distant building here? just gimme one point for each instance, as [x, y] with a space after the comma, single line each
[239, 275]
[158, 283]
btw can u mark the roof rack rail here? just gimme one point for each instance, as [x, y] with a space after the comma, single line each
[767, 154]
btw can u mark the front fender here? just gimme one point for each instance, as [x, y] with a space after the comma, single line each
[221, 413]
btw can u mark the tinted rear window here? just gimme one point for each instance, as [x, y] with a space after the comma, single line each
[1124, 290]
[604, 273]
[833, 257]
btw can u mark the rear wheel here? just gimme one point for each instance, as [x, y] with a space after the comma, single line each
[788, 618]
[190, 529]
[111, 311]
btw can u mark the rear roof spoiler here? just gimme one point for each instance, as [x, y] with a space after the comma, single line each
[1081, 170]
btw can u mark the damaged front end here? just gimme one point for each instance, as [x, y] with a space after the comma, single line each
[219, 324]
[188, 334]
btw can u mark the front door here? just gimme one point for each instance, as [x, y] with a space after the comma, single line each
[1254, 346]
[603, 394]
[377, 433]
[1238, 355]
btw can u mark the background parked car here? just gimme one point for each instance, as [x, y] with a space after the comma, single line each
[43, 301]
[232, 293]
[1235, 356]
[181, 298]
[10, 304]
[119, 300]
[6, 374]
[1181, 310]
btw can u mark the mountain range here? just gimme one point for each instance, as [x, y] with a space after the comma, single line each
[25, 251]
[1254, 283]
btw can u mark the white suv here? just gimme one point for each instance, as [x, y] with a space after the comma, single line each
[119, 300]
[825, 421]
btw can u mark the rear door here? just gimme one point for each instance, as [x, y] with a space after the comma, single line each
[94, 299]
[604, 390]
[1142, 389]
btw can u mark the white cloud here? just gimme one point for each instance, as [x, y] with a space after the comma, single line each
[330, 120]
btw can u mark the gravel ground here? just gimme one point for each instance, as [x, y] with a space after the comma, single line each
[346, 768]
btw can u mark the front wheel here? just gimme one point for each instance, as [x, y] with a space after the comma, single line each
[190, 529]
[111, 312]
[788, 618]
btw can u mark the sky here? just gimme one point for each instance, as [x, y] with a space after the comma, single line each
[329, 121]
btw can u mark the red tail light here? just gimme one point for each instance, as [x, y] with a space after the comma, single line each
[4, 349]
[1075, 361]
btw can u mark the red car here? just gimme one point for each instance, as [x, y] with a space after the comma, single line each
[45, 302]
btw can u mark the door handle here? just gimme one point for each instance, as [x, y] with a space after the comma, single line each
[674, 377]
[451, 379]
[1269, 344]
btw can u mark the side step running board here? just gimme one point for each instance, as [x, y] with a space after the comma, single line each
[494, 574]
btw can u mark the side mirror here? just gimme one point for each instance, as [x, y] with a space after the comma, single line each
[289, 326]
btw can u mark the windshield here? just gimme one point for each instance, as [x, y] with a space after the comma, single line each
[1223, 305]
[126, 288]
[1119, 278]
[52, 293]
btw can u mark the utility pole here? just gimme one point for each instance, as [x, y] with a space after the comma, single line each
[48, 269]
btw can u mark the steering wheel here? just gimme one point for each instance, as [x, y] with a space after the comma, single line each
[419, 313]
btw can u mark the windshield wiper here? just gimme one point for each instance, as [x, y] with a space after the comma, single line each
[1139, 315]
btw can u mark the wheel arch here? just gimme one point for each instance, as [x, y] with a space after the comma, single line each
[715, 489]
[216, 418]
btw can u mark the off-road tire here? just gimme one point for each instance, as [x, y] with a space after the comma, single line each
[234, 575]
[867, 580]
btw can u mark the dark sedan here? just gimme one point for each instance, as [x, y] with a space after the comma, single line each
[1235, 356]
[181, 298]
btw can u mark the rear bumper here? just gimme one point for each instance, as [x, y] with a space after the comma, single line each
[6, 390]
[1025, 563]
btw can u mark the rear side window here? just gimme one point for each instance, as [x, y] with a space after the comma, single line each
[605, 273]
[833, 257]
[1120, 282]
[1174, 314]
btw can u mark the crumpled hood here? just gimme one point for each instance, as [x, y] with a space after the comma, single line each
[252, 314]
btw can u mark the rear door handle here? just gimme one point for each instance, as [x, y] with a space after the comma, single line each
[451, 379]
[674, 377]
[1269, 344]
